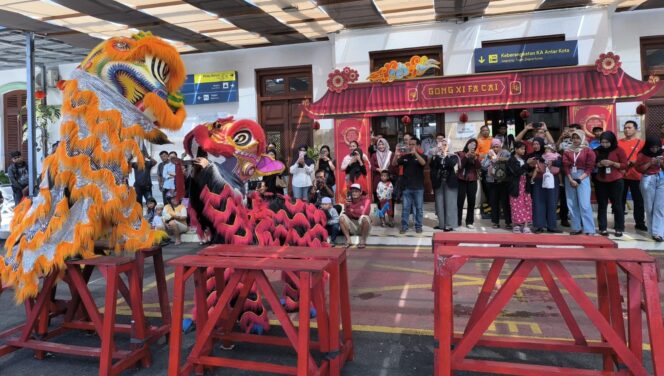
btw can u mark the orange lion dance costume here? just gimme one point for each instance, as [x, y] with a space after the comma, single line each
[123, 93]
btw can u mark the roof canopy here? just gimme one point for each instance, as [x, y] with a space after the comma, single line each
[517, 89]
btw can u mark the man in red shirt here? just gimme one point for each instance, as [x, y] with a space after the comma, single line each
[631, 145]
[355, 219]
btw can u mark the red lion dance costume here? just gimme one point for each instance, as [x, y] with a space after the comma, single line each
[227, 154]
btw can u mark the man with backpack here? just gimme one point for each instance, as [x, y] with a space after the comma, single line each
[18, 176]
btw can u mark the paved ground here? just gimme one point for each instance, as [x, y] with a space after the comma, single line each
[392, 309]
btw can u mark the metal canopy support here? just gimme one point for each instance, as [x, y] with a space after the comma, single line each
[30, 106]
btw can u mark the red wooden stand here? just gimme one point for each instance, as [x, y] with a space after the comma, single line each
[339, 295]
[83, 314]
[160, 278]
[625, 350]
[249, 269]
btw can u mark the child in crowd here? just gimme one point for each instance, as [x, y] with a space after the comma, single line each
[332, 225]
[157, 222]
[384, 191]
[150, 209]
[520, 201]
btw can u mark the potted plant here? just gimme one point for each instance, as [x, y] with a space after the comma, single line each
[44, 115]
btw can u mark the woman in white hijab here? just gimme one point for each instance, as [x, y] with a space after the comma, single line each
[444, 181]
[380, 161]
[578, 164]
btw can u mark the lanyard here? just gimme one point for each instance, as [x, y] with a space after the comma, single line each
[576, 156]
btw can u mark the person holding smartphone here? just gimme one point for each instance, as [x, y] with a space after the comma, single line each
[650, 163]
[578, 165]
[534, 130]
[611, 161]
[467, 175]
[301, 170]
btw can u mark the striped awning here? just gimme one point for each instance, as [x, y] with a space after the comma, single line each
[517, 89]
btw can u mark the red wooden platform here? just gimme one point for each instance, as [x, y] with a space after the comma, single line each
[82, 313]
[246, 271]
[621, 349]
[339, 298]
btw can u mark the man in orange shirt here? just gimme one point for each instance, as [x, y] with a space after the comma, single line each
[631, 145]
[483, 146]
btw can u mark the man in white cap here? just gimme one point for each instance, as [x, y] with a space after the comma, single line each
[355, 219]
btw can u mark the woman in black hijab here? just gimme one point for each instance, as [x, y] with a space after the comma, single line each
[650, 162]
[611, 163]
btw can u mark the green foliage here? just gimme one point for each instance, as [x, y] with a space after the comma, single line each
[313, 153]
[4, 179]
[44, 115]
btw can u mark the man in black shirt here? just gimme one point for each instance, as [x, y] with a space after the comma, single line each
[17, 172]
[320, 189]
[163, 155]
[413, 163]
[142, 180]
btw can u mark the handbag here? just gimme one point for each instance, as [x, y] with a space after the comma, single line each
[281, 182]
[548, 181]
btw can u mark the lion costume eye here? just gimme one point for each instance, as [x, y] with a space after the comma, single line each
[242, 138]
[158, 68]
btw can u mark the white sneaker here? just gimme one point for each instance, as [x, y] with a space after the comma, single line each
[470, 226]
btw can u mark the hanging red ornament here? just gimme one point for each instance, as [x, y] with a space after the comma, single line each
[524, 114]
[316, 125]
[60, 85]
[641, 109]
[463, 117]
[406, 119]
[39, 95]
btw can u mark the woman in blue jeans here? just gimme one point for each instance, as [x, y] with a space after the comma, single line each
[301, 172]
[650, 163]
[578, 164]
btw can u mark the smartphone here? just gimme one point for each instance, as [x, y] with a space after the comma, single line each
[577, 180]
[537, 125]
[302, 153]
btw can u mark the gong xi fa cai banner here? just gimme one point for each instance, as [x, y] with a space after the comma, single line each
[589, 117]
[567, 86]
[345, 131]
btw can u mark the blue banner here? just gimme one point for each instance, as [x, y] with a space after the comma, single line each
[219, 87]
[525, 56]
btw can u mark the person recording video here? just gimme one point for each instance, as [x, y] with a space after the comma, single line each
[320, 189]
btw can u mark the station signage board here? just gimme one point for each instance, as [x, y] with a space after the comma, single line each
[526, 56]
[216, 87]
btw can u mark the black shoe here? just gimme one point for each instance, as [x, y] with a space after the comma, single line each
[437, 228]
[538, 230]
[604, 233]
[619, 234]
[564, 224]
[509, 226]
[576, 232]
[418, 230]
[553, 231]
[641, 227]
[658, 239]
[448, 229]
[496, 225]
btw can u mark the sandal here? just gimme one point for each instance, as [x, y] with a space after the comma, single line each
[361, 246]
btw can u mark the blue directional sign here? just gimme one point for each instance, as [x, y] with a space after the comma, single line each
[524, 56]
[218, 87]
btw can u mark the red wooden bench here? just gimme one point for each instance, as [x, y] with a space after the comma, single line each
[607, 273]
[624, 349]
[82, 313]
[219, 324]
[339, 295]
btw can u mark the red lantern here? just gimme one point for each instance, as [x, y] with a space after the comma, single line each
[39, 95]
[524, 114]
[463, 117]
[406, 119]
[316, 126]
[61, 84]
[641, 109]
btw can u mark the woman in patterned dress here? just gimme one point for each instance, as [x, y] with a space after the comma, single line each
[520, 200]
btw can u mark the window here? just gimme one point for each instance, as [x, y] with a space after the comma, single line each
[652, 56]
[378, 58]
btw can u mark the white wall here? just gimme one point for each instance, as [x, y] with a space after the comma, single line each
[590, 27]
[627, 29]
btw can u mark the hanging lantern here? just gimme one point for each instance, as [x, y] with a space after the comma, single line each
[316, 125]
[60, 84]
[463, 117]
[641, 109]
[406, 119]
[524, 114]
[39, 95]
